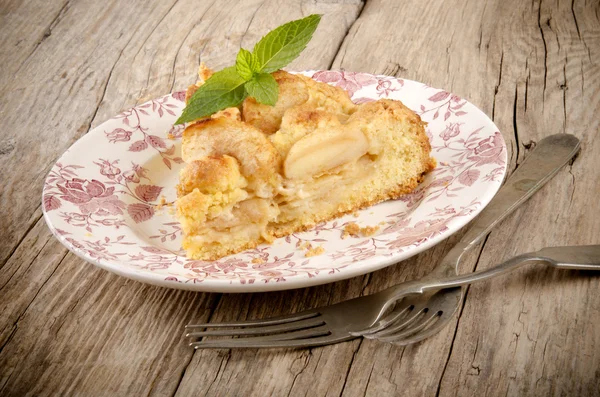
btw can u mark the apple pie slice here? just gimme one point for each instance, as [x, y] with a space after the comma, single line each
[261, 172]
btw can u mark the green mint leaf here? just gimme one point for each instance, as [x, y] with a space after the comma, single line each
[282, 45]
[246, 64]
[263, 88]
[222, 90]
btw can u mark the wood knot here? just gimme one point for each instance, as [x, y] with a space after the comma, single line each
[393, 68]
[7, 146]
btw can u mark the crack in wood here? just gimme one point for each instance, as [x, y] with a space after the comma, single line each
[29, 265]
[460, 313]
[304, 366]
[72, 309]
[178, 49]
[564, 87]
[16, 323]
[475, 355]
[185, 367]
[368, 380]
[539, 21]
[12, 333]
[497, 86]
[515, 128]
[18, 244]
[360, 341]
[343, 41]
[89, 127]
[570, 171]
[7, 380]
[527, 80]
[173, 72]
[48, 32]
[575, 19]
[366, 281]
[543, 365]
[250, 22]
[224, 360]
[209, 25]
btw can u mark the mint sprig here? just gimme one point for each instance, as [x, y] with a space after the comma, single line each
[246, 64]
[263, 88]
[282, 45]
[251, 73]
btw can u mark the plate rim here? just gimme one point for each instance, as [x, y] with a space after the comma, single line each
[358, 268]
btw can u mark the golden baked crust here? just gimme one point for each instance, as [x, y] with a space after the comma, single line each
[258, 159]
[266, 172]
[296, 90]
[210, 175]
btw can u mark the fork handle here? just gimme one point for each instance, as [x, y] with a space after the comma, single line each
[584, 257]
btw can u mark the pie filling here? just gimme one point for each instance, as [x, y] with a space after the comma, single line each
[261, 172]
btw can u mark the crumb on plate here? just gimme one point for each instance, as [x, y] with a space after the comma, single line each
[314, 251]
[305, 245]
[162, 202]
[352, 229]
[258, 261]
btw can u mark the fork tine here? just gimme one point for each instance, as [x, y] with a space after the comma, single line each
[288, 336]
[411, 330]
[386, 321]
[250, 323]
[397, 326]
[259, 342]
[266, 329]
[394, 327]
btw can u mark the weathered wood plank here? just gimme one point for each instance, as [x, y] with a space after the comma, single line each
[34, 260]
[68, 328]
[24, 25]
[93, 333]
[535, 332]
[60, 314]
[52, 99]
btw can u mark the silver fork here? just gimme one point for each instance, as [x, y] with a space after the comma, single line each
[404, 328]
[350, 319]
[421, 316]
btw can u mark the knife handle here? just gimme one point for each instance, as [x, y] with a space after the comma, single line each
[546, 159]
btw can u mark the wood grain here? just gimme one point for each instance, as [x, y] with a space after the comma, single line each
[69, 328]
[536, 341]
[41, 283]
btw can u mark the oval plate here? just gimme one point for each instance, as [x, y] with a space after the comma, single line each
[105, 197]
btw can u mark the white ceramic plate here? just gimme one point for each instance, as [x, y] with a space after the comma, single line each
[100, 198]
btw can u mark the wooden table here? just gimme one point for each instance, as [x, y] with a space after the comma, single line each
[67, 327]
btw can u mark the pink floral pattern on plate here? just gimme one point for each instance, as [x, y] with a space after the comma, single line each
[107, 198]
